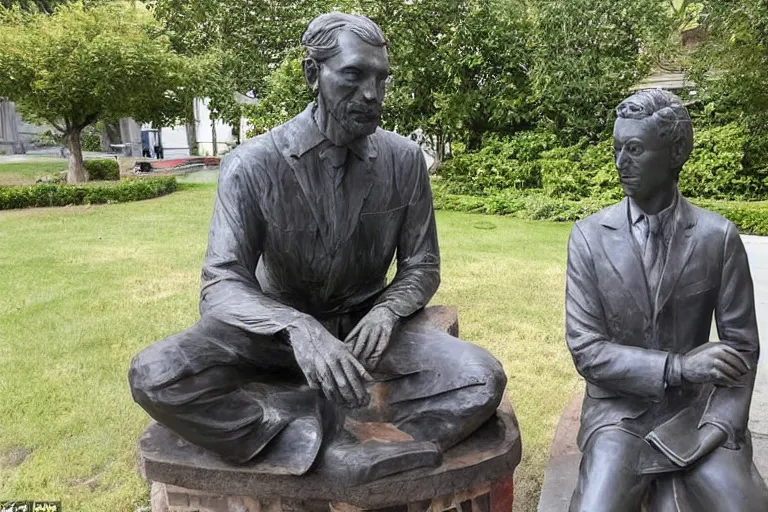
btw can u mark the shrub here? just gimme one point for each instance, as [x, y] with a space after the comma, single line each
[104, 169]
[726, 163]
[715, 169]
[63, 195]
[501, 163]
[580, 171]
[90, 142]
[749, 217]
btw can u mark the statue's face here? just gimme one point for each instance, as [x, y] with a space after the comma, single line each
[642, 158]
[351, 85]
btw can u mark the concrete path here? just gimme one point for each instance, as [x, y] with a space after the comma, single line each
[757, 251]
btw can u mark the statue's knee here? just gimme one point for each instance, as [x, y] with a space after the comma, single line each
[490, 372]
[495, 384]
[137, 377]
[151, 369]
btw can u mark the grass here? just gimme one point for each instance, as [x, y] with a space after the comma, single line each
[25, 173]
[85, 288]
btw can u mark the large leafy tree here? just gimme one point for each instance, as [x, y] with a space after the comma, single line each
[46, 6]
[460, 67]
[244, 41]
[459, 70]
[732, 64]
[82, 64]
[731, 67]
[587, 53]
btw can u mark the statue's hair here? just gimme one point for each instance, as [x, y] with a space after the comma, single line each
[321, 39]
[669, 113]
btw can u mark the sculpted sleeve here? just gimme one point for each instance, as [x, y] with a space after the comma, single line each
[229, 289]
[418, 256]
[612, 366]
[728, 408]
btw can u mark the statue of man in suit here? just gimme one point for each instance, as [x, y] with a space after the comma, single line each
[300, 333]
[664, 419]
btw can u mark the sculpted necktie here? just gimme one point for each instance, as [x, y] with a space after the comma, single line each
[336, 156]
[652, 254]
[334, 159]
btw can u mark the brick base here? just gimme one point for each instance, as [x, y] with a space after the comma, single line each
[495, 497]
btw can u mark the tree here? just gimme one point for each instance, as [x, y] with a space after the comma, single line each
[245, 40]
[731, 68]
[46, 6]
[459, 70]
[587, 53]
[286, 93]
[82, 64]
[459, 67]
[732, 64]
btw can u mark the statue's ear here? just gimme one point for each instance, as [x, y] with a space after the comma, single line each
[311, 72]
[676, 153]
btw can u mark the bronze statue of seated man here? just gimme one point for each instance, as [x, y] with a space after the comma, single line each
[300, 334]
[664, 420]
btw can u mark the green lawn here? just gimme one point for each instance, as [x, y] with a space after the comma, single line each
[82, 289]
[25, 173]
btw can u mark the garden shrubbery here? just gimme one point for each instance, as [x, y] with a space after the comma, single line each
[530, 177]
[501, 163]
[749, 217]
[97, 193]
[105, 169]
[717, 169]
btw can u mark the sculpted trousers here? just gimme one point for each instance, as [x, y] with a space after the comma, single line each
[611, 481]
[233, 392]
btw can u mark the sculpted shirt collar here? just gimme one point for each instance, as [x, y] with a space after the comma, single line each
[308, 136]
[636, 215]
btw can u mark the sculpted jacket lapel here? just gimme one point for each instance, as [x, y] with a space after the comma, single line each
[293, 139]
[619, 247]
[679, 252]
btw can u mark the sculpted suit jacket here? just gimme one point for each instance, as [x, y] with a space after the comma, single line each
[620, 336]
[274, 253]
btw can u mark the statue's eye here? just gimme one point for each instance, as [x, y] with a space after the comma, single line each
[351, 74]
[634, 148]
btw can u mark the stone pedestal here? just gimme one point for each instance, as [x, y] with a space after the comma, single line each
[475, 476]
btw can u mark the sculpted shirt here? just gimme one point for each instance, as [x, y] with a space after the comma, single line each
[293, 235]
[638, 222]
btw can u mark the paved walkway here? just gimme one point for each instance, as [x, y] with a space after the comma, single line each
[757, 251]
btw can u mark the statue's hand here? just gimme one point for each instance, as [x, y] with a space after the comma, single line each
[328, 364]
[371, 335]
[715, 363]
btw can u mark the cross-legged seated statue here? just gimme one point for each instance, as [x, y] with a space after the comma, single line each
[664, 419]
[302, 344]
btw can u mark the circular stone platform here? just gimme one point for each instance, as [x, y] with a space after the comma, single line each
[475, 476]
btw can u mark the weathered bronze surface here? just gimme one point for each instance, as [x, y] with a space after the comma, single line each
[664, 419]
[300, 333]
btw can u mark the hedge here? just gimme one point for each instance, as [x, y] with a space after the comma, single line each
[717, 169]
[749, 217]
[96, 193]
[102, 169]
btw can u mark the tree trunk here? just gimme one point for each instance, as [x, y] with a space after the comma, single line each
[76, 172]
[439, 153]
[213, 138]
[110, 134]
[192, 138]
